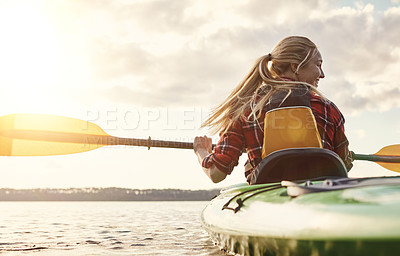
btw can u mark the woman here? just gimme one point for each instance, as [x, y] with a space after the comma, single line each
[294, 62]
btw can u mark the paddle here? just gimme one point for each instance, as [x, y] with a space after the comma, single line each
[388, 157]
[43, 135]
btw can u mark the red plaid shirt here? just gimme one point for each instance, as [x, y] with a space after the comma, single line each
[249, 135]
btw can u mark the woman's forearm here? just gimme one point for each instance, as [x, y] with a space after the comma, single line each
[213, 172]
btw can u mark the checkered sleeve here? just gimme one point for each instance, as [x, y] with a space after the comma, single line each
[341, 144]
[227, 151]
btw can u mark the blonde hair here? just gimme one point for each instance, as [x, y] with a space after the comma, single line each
[267, 70]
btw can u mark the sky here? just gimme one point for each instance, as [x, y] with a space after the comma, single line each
[143, 68]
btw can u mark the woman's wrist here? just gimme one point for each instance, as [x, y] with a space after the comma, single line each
[201, 154]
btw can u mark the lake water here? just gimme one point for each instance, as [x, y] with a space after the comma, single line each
[103, 228]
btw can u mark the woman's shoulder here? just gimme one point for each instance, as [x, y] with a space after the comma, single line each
[326, 107]
[315, 98]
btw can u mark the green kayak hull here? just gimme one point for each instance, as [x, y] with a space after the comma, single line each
[265, 220]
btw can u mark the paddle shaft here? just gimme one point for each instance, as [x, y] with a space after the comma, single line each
[111, 140]
[93, 139]
[149, 143]
[105, 140]
[375, 158]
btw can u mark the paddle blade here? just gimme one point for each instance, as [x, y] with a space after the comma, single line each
[43, 135]
[392, 150]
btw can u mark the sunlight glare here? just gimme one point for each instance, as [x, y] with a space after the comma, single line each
[34, 58]
[29, 49]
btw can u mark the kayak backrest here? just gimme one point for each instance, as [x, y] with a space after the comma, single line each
[290, 127]
[298, 164]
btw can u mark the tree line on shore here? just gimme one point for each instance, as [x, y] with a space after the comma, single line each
[106, 194]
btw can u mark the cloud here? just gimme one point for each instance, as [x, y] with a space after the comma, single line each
[195, 52]
[388, 98]
[160, 16]
[114, 61]
[154, 97]
[360, 133]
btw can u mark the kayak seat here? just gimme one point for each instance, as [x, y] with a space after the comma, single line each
[290, 127]
[297, 164]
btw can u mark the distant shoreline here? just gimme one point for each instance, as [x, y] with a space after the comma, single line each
[106, 194]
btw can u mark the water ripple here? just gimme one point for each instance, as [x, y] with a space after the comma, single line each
[105, 228]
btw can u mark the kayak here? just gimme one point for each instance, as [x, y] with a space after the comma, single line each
[322, 216]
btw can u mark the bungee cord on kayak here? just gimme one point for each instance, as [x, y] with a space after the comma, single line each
[240, 201]
[329, 184]
[295, 189]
